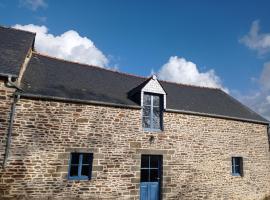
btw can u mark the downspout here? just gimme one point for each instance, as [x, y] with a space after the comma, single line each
[16, 98]
[268, 134]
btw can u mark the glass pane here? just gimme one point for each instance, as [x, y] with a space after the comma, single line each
[237, 169]
[154, 161]
[85, 170]
[146, 99]
[144, 175]
[75, 157]
[154, 176]
[156, 100]
[146, 122]
[73, 170]
[146, 111]
[156, 118]
[237, 161]
[145, 161]
[86, 158]
[156, 112]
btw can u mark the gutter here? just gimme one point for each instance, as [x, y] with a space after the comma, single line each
[66, 100]
[8, 75]
[218, 116]
[10, 128]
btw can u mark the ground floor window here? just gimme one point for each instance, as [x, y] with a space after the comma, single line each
[80, 166]
[237, 166]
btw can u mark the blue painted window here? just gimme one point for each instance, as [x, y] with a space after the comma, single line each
[237, 166]
[80, 166]
[152, 111]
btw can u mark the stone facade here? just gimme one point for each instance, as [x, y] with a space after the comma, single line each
[196, 153]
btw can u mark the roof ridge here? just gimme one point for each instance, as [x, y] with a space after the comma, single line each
[189, 85]
[16, 29]
[88, 65]
[123, 73]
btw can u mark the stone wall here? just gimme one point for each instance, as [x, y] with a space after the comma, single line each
[196, 153]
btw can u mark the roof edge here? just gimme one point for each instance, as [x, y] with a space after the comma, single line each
[8, 75]
[243, 105]
[66, 100]
[17, 29]
[218, 116]
[123, 73]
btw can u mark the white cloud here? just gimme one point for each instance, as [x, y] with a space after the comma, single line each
[33, 4]
[268, 99]
[182, 71]
[260, 100]
[265, 76]
[255, 40]
[69, 45]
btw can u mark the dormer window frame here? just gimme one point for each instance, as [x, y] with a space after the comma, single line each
[153, 87]
[151, 105]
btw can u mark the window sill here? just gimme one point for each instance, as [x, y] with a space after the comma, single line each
[236, 175]
[79, 179]
[152, 130]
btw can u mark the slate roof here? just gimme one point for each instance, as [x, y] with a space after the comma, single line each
[47, 77]
[14, 46]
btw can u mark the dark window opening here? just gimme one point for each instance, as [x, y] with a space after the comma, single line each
[151, 168]
[152, 111]
[80, 167]
[237, 166]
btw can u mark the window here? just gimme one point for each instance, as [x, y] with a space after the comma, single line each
[80, 167]
[237, 166]
[152, 111]
[151, 168]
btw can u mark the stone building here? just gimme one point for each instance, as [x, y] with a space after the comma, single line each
[74, 131]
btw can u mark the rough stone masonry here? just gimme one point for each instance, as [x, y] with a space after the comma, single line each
[196, 154]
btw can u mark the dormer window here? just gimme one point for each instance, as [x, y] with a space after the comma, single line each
[152, 111]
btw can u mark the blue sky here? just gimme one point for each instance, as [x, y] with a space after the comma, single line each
[141, 36]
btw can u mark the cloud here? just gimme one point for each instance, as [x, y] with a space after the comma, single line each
[255, 40]
[182, 71]
[265, 76]
[268, 99]
[69, 45]
[260, 100]
[33, 4]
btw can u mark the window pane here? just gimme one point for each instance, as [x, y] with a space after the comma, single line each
[154, 176]
[146, 122]
[85, 170]
[145, 161]
[73, 170]
[146, 111]
[156, 118]
[75, 157]
[156, 100]
[237, 169]
[86, 158]
[144, 175]
[154, 161]
[146, 99]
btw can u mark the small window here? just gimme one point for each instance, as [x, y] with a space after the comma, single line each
[237, 166]
[80, 167]
[152, 111]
